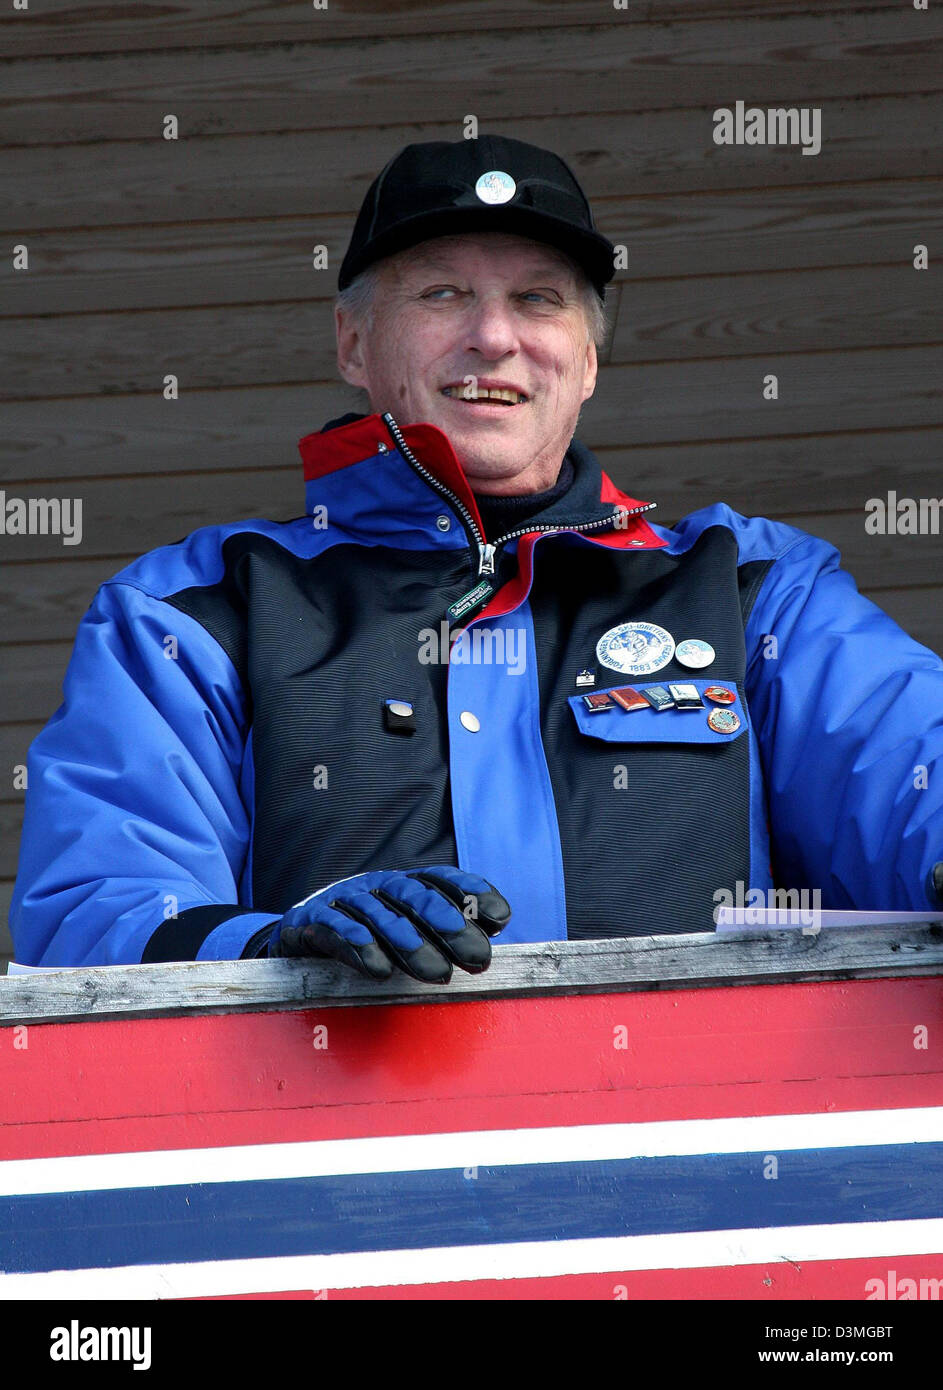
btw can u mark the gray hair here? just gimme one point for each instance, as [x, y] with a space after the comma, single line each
[359, 297]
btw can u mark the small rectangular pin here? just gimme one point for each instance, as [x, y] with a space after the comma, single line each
[686, 696]
[628, 698]
[658, 697]
[598, 702]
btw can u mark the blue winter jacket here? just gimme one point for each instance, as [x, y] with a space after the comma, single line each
[222, 748]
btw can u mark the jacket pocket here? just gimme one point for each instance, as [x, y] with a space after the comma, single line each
[617, 725]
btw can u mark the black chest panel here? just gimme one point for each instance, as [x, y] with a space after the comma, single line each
[320, 643]
[649, 831]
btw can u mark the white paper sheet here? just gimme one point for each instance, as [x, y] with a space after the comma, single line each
[761, 918]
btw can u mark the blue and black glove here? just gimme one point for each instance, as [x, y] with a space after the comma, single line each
[423, 920]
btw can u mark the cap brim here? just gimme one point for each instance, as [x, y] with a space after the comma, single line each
[591, 250]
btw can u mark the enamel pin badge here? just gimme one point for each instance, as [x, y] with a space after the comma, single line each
[635, 649]
[694, 652]
[495, 187]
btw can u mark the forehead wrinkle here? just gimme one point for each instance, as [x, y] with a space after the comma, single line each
[436, 260]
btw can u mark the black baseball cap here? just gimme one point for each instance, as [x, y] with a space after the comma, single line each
[492, 184]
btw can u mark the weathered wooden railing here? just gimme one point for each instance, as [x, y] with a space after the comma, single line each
[699, 960]
[592, 1119]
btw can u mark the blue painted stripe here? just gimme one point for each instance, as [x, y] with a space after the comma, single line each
[442, 1207]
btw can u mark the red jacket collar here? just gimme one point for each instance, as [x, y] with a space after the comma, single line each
[354, 438]
[365, 436]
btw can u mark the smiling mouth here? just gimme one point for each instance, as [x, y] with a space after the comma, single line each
[489, 395]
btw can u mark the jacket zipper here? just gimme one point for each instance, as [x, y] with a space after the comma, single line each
[486, 550]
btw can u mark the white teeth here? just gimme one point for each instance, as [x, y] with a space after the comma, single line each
[484, 393]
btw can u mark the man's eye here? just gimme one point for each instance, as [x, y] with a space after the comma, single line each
[539, 294]
[439, 290]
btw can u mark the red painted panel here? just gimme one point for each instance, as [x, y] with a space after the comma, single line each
[143, 1132]
[247, 1078]
[816, 1279]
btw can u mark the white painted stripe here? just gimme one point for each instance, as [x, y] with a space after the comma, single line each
[476, 1148]
[529, 1259]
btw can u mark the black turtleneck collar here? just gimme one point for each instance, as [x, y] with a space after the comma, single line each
[503, 514]
[343, 420]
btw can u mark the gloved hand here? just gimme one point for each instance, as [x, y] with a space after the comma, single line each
[423, 920]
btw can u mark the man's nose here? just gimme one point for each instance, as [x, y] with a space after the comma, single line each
[491, 329]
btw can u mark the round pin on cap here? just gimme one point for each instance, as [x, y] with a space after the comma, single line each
[495, 187]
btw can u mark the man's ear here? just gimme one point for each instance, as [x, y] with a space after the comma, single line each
[592, 368]
[350, 361]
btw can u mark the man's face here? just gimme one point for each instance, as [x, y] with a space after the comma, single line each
[503, 310]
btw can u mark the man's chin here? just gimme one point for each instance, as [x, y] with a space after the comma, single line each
[485, 437]
[487, 448]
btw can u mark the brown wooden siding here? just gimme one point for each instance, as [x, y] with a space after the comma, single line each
[194, 257]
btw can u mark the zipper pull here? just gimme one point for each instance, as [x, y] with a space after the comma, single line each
[485, 558]
[465, 608]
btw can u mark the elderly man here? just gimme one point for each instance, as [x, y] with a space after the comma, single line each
[474, 689]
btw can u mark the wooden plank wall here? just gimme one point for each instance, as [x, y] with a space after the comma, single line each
[193, 256]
